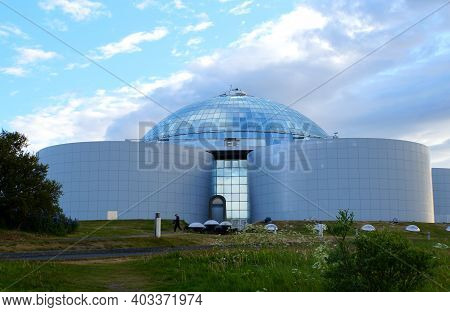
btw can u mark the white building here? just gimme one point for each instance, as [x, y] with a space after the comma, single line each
[243, 158]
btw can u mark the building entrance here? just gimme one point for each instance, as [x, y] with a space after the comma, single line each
[217, 208]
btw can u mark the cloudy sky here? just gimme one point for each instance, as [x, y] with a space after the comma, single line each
[178, 52]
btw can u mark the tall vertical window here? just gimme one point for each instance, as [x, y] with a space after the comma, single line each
[230, 181]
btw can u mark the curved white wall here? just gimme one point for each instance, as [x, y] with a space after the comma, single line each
[441, 191]
[377, 179]
[110, 176]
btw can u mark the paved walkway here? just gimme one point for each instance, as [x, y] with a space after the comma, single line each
[92, 254]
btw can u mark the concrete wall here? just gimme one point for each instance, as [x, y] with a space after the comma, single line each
[377, 179]
[98, 177]
[441, 191]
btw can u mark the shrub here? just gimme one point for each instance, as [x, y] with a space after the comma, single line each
[378, 261]
[56, 225]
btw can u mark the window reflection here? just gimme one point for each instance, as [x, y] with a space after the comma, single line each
[230, 181]
[250, 118]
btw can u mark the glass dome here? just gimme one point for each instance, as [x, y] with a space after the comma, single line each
[235, 118]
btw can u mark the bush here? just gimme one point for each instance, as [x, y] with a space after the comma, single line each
[56, 225]
[378, 261]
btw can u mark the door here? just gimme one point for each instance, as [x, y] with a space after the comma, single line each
[217, 208]
[217, 212]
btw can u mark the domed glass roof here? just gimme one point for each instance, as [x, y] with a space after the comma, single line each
[235, 115]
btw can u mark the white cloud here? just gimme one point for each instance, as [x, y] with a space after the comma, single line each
[72, 66]
[198, 27]
[144, 4]
[287, 39]
[130, 43]
[203, 16]
[78, 9]
[176, 53]
[13, 71]
[7, 30]
[74, 119]
[206, 60]
[25, 59]
[33, 55]
[173, 82]
[194, 41]
[58, 25]
[179, 4]
[241, 9]
[284, 29]
[355, 24]
[441, 154]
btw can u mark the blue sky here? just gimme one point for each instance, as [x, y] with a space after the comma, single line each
[178, 52]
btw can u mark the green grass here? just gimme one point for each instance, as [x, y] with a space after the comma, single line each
[438, 234]
[282, 262]
[120, 228]
[139, 233]
[436, 230]
[274, 269]
[106, 229]
[168, 240]
[101, 235]
[214, 270]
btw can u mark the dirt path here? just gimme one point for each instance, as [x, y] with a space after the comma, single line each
[93, 254]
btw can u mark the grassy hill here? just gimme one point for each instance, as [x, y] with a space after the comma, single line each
[257, 262]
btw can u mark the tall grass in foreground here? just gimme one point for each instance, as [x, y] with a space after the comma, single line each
[277, 269]
[254, 260]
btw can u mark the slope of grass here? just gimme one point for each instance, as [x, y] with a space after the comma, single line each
[100, 235]
[437, 231]
[218, 270]
[274, 269]
[282, 262]
[139, 233]
[120, 228]
[267, 269]
[168, 240]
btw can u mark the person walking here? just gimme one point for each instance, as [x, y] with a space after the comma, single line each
[176, 223]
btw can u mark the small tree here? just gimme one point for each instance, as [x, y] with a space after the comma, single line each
[339, 269]
[343, 226]
[28, 200]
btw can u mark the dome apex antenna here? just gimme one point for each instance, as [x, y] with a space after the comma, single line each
[235, 92]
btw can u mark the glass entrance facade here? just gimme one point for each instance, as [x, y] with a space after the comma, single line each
[230, 181]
